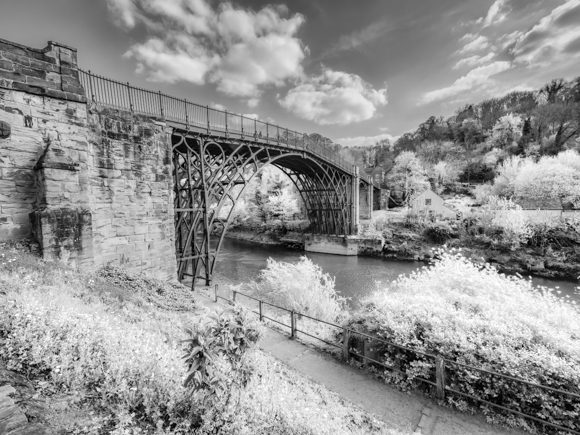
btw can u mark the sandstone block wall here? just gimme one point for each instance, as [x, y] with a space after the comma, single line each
[93, 185]
[131, 191]
[37, 123]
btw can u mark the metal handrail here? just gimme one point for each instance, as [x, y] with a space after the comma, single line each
[124, 96]
[439, 367]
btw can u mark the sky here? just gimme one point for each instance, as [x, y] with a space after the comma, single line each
[354, 71]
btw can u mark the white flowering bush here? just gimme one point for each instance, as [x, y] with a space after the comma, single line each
[473, 315]
[301, 286]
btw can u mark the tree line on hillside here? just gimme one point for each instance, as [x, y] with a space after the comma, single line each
[477, 143]
[525, 144]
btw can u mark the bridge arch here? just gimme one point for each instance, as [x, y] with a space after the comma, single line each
[208, 169]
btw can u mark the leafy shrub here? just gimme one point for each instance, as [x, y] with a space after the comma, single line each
[482, 192]
[218, 366]
[508, 216]
[439, 232]
[301, 286]
[473, 315]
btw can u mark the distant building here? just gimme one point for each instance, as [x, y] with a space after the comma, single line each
[430, 204]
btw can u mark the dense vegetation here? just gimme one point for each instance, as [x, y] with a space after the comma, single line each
[464, 312]
[471, 314]
[128, 355]
[470, 145]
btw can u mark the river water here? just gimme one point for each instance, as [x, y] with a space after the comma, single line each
[356, 277]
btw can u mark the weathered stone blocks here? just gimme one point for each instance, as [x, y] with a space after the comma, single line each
[92, 184]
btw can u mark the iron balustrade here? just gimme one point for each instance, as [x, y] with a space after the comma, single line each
[439, 383]
[124, 96]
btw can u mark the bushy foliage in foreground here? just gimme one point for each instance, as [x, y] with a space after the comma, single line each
[473, 315]
[301, 286]
[140, 368]
[119, 367]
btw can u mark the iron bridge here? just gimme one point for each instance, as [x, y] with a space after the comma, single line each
[217, 153]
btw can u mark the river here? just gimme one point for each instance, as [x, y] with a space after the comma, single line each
[356, 277]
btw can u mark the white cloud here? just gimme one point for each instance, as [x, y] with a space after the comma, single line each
[473, 80]
[185, 61]
[479, 43]
[123, 13]
[509, 39]
[474, 60]
[496, 13]
[554, 39]
[218, 106]
[240, 50]
[334, 97]
[384, 128]
[365, 140]
[251, 115]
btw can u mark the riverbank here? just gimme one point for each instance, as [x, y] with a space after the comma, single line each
[559, 259]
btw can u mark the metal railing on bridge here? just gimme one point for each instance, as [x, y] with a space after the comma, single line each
[124, 96]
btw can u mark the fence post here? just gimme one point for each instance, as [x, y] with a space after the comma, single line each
[234, 293]
[208, 124]
[255, 128]
[91, 84]
[345, 340]
[215, 290]
[227, 124]
[161, 105]
[242, 124]
[292, 324]
[440, 377]
[186, 115]
[267, 132]
[260, 310]
[129, 94]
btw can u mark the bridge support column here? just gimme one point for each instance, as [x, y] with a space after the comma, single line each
[365, 201]
[355, 207]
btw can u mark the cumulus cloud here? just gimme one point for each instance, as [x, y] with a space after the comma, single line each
[334, 97]
[474, 60]
[478, 43]
[240, 50]
[475, 79]
[365, 140]
[554, 38]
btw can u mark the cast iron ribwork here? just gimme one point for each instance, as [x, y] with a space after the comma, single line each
[210, 174]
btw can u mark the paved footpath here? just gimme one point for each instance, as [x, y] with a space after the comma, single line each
[411, 412]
